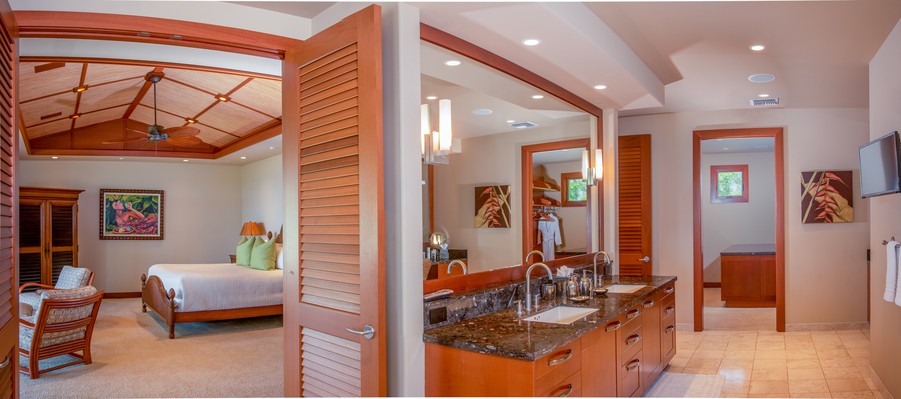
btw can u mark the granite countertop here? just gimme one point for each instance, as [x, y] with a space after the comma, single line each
[504, 334]
[750, 249]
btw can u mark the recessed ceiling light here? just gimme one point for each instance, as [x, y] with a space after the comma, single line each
[763, 95]
[221, 97]
[184, 160]
[431, 98]
[74, 116]
[482, 111]
[600, 87]
[190, 120]
[243, 157]
[531, 42]
[725, 148]
[452, 63]
[271, 148]
[54, 157]
[121, 158]
[538, 96]
[80, 89]
[762, 77]
[510, 121]
[758, 47]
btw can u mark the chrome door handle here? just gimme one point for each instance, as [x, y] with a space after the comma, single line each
[645, 259]
[368, 332]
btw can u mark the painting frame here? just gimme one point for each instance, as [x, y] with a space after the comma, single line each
[129, 220]
[492, 206]
[827, 196]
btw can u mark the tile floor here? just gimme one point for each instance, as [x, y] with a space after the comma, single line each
[805, 364]
[717, 317]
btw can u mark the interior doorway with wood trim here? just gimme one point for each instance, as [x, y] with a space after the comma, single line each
[634, 198]
[736, 162]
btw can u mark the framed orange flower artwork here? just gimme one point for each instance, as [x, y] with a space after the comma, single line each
[827, 197]
[492, 207]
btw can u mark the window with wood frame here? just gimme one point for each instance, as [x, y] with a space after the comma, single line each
[728, 183]
[574, 190]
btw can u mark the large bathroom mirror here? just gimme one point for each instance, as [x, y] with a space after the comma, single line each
[509, 180]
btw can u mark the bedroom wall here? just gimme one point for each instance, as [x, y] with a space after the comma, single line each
[752, 222]
[820, 259]
[202, 214]
[261, 193]
[885, 216]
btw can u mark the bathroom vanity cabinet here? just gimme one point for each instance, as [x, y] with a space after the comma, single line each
[612, 354]
[749, 275]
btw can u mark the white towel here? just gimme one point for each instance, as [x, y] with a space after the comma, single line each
[891, 272]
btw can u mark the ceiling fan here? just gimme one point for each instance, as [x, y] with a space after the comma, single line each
[179, 135]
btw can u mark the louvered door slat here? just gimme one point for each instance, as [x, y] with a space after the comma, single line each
[634, 200]
[9, 329]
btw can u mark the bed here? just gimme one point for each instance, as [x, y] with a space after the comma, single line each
[182, 293]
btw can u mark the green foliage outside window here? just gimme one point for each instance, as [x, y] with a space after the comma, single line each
[577, 190]
[729, 184]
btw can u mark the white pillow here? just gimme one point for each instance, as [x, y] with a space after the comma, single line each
[279, 257]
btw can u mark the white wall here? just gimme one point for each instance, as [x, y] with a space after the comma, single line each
[573, 219]
[202, 214]
[885, 216]
[261, 193]
[821, 260]
[489, 160]
[727, 224]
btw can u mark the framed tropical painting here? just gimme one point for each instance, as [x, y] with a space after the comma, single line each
[827, 197]
[131, 214]
[492, 207]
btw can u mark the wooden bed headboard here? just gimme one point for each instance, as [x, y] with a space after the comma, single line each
[278, 238]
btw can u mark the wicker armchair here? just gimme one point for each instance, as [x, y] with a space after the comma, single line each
[69, 278]
[61, 325]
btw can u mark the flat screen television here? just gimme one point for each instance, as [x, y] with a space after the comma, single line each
[879, 166]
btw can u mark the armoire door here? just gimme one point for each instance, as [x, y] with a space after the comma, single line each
[9, 294]
[31, 241]
[335, 303]
[62, 243]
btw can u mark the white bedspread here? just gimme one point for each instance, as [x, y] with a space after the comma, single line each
[218, 286]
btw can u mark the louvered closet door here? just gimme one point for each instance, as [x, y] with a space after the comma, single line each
[341, 285]
[9, 324]
[635, 258]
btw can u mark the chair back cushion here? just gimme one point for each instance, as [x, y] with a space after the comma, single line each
[73, 277]
[59, 315]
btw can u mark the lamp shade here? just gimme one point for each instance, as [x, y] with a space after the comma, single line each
[251, 229]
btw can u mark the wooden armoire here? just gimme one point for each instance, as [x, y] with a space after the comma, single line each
[48, 233]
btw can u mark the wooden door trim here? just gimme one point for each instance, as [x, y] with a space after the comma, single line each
[526, 185]
[698, 273]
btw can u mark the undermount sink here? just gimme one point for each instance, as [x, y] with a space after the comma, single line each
[623, 288]
[561, 315]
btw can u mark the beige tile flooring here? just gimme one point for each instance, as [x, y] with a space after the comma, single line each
[720, 318]
[797, 364]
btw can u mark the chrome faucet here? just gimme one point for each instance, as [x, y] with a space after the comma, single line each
[458, 261]
[535, 252]
[609, 263]
[529, 282]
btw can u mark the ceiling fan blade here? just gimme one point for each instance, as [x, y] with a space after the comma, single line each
[180, 131]
[126, 141]
[185, 141]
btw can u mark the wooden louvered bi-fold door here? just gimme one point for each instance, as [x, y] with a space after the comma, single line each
[9, 297]
[340, 304]
[634, 170]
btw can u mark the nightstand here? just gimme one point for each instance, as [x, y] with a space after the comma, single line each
[231, 259]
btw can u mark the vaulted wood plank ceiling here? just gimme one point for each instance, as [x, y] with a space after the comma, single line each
[95, 107]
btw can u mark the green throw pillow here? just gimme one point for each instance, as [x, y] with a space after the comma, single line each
[263, 256]
[242, 253]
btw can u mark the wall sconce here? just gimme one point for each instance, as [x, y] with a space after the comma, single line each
[437, 145]
[591, 175]
[251, 229]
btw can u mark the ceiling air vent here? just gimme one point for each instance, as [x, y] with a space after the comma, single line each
[762, 102]
[524, 124]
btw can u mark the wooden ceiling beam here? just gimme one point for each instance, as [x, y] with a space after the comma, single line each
[140, 96]
[265, 132]
[62, 24]
[146, 63]
[84, 72]
[69, 91]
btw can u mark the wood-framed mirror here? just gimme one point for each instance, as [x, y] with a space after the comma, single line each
[491, 163]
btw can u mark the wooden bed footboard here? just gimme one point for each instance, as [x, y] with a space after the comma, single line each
[154, 294]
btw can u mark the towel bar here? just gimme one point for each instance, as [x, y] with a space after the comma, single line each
[884, 242]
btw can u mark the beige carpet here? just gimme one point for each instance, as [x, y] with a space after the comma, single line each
[677, 385]
[133, 358]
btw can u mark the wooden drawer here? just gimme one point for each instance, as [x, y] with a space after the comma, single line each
[628, 341]
[557, 366]
[668, 338]
[629, 374]
[570, 386]
[668, 306]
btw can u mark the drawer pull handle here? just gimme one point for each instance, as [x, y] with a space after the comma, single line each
[670, 329]
[669, 290]
[633, 339]
[567, 392]
[633, 365]
[632, 314]
[649, 303]
[613, 326]
[561, 359]
[669, 309]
